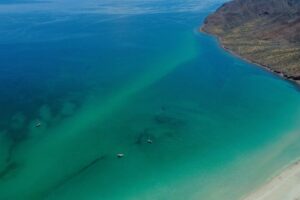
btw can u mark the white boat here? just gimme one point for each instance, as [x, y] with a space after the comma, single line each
[120, 155]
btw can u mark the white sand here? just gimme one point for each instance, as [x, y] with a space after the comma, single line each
[285, 186]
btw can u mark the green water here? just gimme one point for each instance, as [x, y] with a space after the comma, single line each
[104, 77]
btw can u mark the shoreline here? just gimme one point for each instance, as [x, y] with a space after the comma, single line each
[281, 75]
[285, 185]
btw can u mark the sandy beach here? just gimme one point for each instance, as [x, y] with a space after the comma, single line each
[285, 186]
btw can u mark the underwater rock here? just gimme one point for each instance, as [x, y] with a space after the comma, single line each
[8, 169]
[143, 136]
[81, 170]
[164, 119]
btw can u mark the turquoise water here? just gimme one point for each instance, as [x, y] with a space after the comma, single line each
[104, 77]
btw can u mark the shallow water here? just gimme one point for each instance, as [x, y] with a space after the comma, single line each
[103, 78]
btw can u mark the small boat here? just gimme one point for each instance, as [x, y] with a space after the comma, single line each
[149, 141]
[38, 124]
[120, 155]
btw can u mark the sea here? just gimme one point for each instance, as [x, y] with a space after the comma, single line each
[128, 100]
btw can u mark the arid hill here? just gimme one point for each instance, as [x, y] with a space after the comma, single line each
[266, 32]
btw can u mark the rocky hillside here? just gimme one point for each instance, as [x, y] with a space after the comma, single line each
[266, 32]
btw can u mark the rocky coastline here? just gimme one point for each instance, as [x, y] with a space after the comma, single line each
[263, 32]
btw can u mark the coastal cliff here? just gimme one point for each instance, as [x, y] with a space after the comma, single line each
[266, 32]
